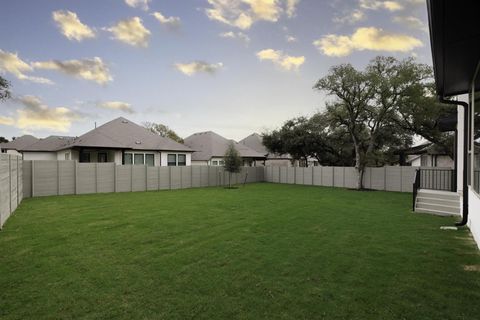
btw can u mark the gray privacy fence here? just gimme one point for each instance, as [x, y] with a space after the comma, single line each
[50, 177]
[11, 192]
[388, 178]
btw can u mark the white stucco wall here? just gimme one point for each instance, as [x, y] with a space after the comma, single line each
[474, 215]
[199, 163]
[39, 156]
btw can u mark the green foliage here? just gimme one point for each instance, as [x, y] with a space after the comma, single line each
[163, 130]
[232, 160]
[3, 139]
[267, 251]
[4, 89]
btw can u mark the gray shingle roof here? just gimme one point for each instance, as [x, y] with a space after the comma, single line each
[124, 134]
[209, 144]
[19, 143]
[51, 143]
[255, 142]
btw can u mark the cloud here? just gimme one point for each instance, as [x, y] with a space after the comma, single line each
[411, 22]
[289, 38]
[171, 22]
[236, 35]
[36, 116]
[7, 121]
[116, 105]
[131, 31]
[355, 16]
[89, 69]
[11, 63]
[280, 59]
[379, 4]
[142, 4]
[371, 38]
[71, 26]
[198, 66]
[243, 13]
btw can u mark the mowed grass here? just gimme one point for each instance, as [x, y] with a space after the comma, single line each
[263, 251]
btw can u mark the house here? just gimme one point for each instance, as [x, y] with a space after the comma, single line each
[210, 148]
[454, 39]
[13, 146]
[255, 142]
[120, 141]
[428, 155]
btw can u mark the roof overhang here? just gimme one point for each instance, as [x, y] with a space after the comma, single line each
[455, 43]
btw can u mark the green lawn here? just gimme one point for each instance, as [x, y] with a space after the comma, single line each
[263, 251]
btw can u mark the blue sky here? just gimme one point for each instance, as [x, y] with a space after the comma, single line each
[231, 66]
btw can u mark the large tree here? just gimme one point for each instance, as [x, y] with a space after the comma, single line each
[367, 103]
[4, 89]
[163, 131]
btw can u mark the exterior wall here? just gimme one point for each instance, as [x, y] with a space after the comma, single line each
[445, 162]
[417, 162]
[474, 215]
[279, 163]
[39, 155]
[13, 152]
[199, 163]
[11, 185]
[164, 157]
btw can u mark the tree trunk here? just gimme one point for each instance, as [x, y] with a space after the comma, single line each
[358, 164]
[230, 180]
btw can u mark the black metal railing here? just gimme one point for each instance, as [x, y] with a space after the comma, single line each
[438, 179]
[416, 186]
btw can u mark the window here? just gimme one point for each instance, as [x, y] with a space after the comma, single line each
[215, 163]
[67, 156]
[172, 160]
[138, 159]
[84, 157]
[102, 157]
[150, 159]
[128, 158]
[221, 163]
[182, 160]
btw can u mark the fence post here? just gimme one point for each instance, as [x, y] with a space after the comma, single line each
[58, 177]
[170, 178]
[33, 178]
[10, 184]
[115, 177]
[96, 177]
[158, 180]
[333, 176]
[75, 176]
[146, 178]
[344, 177]
[131, 178]
[208, 175]
[401, 179]
[294, 175]
[384, 178]
[18, 173]
[181, 177]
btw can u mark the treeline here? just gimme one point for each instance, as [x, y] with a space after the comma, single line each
[370, 115]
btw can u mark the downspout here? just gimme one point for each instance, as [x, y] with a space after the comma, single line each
[465, 158]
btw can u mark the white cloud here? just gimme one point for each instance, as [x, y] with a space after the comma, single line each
[195, 67]
[171, 22]
[131, 31]
[116, 105]
[243, 13]
[411, 22]
[371, 38]
[236, 35]
[71, 26]
[89, 69]
[380, 4]
[11, 63]
[7, 121]
[290, 38]
[34, 115]
[280, 59]
[142, 4]
[354, 16]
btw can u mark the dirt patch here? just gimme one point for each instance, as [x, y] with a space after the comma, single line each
[474, 268]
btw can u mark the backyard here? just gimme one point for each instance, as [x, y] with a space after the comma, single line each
[260, 251]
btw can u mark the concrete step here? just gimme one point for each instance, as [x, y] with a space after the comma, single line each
[436, 212]
[438, 201]
[437, 207]
[443, 195]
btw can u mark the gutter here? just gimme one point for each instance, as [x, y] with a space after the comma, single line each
[465, 158]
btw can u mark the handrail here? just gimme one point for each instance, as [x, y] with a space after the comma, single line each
[416, 186]
[438, 179]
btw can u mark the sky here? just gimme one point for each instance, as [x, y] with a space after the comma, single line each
[230, 66]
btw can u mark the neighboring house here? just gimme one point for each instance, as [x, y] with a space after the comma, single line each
[49, 148]
[13, 146]
[255, 142]
[120, 141]
[428, 155]
[210, 148]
